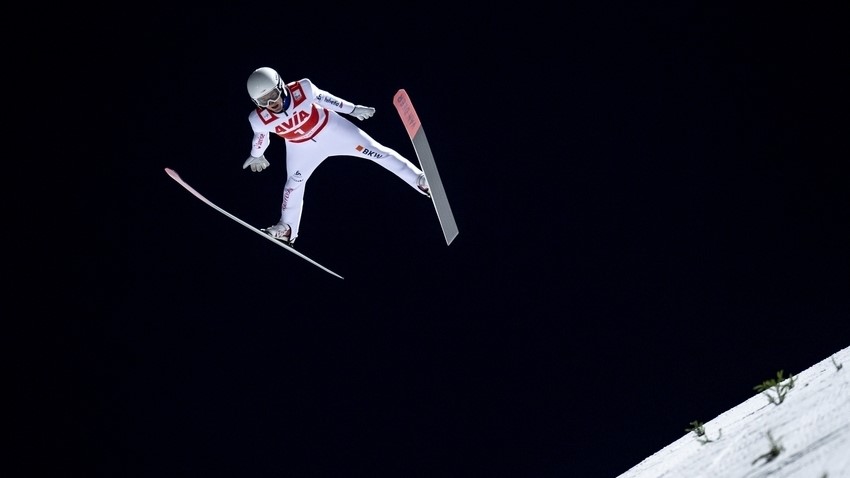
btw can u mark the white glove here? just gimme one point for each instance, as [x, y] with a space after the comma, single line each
[257, 164]
[363, 112]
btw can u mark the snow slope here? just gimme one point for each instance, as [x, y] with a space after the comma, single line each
[810, 428]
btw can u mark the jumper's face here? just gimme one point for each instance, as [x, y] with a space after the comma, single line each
[276, 106]
[274, 99]
[267, 99]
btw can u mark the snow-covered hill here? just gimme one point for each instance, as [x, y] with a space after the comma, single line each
[807, 435]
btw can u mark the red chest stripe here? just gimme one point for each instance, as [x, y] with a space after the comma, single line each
[303, 126]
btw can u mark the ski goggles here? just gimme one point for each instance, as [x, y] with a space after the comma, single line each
[268, 98]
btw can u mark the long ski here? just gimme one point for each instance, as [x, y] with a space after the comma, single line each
[423, 151]
[180, 181]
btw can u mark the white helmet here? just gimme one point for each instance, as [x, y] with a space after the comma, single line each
[262, 82]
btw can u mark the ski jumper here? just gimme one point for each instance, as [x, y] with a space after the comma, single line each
[312, 131]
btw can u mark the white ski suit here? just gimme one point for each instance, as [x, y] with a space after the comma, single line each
[313, 130]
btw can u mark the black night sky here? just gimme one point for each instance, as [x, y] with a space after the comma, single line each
[653, 215]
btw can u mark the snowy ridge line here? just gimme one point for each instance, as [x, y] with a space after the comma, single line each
[810, 429]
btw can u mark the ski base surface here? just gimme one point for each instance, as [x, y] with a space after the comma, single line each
[180, 181]
[429, 167]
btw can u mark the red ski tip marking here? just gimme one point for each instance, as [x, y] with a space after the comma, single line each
[408, 114]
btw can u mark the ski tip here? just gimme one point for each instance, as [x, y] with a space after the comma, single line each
[172, 173]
